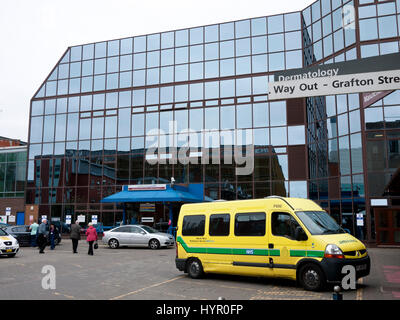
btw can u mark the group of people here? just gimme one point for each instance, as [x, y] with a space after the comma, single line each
[91, 236]
[40, 236]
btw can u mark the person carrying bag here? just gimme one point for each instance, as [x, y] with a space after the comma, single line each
[91, 234]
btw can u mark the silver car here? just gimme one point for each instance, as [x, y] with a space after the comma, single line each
[137, 235]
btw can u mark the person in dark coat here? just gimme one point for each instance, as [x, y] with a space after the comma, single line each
[53, 234]
[42, 236]
[75, 236]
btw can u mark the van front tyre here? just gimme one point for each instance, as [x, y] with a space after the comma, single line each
[194, 269]
[311, 277]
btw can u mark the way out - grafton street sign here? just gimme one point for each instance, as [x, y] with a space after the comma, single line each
[365, 75]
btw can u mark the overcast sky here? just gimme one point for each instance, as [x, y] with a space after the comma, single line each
[35, 33]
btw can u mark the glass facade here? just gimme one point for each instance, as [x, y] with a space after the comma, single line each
[192, 104]
[12, 172]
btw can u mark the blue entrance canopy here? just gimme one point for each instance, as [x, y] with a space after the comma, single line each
[158, 193]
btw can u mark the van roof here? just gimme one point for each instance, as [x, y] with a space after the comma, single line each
[296, 204]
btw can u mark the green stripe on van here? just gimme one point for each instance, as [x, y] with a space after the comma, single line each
[307, 253]
[234, 251]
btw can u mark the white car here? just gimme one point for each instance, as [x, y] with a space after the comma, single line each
[9, 246]
[137, 235]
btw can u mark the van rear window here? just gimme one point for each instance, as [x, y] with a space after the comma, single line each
[250, 224]
[193, 225]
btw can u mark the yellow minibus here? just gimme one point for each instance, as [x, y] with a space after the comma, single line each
[272, 237]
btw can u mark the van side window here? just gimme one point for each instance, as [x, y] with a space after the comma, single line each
[250, 224]
[219, 225]
[283, 225]
[193, 225]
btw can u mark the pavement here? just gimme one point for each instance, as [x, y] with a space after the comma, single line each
[144, 274]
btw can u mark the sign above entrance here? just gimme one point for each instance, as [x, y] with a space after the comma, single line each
[147, 187]
[380, 73]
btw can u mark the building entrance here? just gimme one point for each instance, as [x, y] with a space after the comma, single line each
[387, 226]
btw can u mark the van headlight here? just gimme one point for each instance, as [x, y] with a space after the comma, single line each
[333, 251]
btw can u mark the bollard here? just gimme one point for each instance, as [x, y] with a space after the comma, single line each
[337, 295]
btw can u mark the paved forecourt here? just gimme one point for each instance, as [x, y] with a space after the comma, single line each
[141, 273]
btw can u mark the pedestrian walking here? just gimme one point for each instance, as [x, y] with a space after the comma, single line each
[53, 233]
[91, 234]
[75, 236]
[42, 236]
[34, 228]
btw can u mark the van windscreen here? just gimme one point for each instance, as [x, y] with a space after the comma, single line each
[319, 222]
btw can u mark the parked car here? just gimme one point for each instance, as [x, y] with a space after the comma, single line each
[9, 246]
[137, 235]
[3, 225]
[21, 233]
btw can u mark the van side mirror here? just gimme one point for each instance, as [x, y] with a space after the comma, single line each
[300, 235]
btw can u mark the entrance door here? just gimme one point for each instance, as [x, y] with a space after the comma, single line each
[20, 218]
[387, 226]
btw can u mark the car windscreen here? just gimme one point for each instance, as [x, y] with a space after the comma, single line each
[3, 233]
[319, 222]
[149, 229]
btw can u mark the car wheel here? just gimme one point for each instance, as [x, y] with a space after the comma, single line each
[56, 242]
[312, 277]
[154, 244]
[113, 243]
[194, 269]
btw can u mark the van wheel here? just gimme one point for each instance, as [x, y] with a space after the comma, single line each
[194, 269]
[311, 277]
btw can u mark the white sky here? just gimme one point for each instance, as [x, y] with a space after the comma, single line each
[35, 33]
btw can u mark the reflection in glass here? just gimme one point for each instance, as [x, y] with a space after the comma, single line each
[368, 29]
[298, 189]
[212, 118]
[85, 128]
[278, 113]
[276, 61]
[97, 128]
[260, 63]
[275, 24]
[373, 118]
[243, 65]
[60, 127]
[226, 31]
[211, 33]
[344, 155]
[296, 135]
[244, 116]
[228, 118]
[278, 136]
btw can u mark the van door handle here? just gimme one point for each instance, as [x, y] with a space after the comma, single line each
[270, 245]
